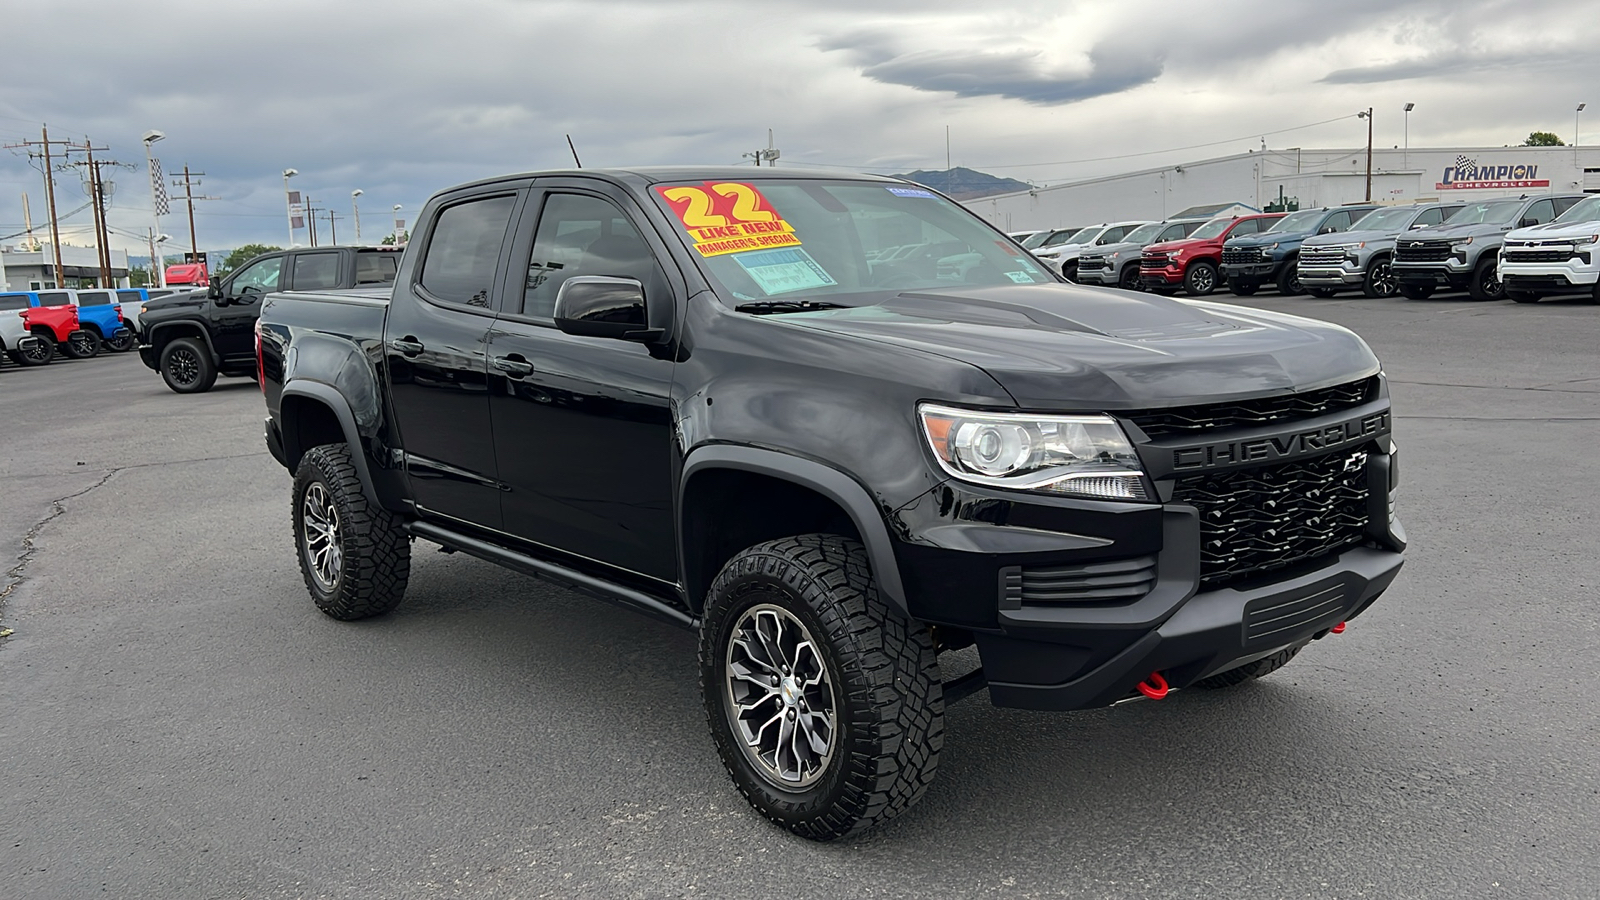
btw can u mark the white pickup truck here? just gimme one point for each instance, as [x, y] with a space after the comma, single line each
[1557, 258]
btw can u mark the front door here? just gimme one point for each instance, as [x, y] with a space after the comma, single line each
[582, 425]
[233, 320]
[434, 349]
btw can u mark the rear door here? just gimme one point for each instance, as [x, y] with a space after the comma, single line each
[582, 425]
[314, 270]
[435, 339]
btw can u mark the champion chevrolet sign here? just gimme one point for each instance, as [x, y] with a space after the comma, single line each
[1467, 175]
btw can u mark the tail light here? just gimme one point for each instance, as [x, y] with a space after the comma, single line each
[261, 362]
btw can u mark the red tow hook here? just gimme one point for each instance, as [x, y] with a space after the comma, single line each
[1154, 687]
[1337, 629]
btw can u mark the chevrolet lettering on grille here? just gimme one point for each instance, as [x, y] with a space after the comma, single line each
[1259, 450]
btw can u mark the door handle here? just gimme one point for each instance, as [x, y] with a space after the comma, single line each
[407, 346]
[513, 365]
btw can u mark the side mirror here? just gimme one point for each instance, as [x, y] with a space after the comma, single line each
[1326, 229]
[1528, 223]
[605, 307]
[214, 290]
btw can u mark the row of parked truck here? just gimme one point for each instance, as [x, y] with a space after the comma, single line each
[35, 325]
[1524, 248]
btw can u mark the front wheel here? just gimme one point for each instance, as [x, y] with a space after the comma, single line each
[1486, 283]
[1201, 279]
[1380, 281]
[1289, 279]
[824, 702]
[355, 556]
[82, 345]
[1129, 281]
[186, 366]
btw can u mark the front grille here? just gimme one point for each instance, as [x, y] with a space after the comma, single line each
[1158, 423]
[1322, 256]
[1540, 256]
[1241, 255]
[1254, 521]
[1422, 251]
[1155, 262]
[1107, 583]
[1091, 262]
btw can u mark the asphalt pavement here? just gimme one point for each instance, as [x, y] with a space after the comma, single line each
[178, 720]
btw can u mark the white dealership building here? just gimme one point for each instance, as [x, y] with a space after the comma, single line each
[1312, 177]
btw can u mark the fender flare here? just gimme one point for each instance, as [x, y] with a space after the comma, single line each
[825, 480]
[327, 396]
[205, 333]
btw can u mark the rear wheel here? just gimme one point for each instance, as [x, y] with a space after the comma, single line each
[1486, 284]
[120, 344]
[186, 366]
[82, 345]
[1416, 291]
[824, 702]
[1201, 279]
[1380, 280]
[355, 557]
[1250, 670]
[37, 352]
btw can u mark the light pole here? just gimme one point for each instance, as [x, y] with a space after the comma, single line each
[1407, 157]
[1575, 131]
[157, 196]
[397, 224]
[288, 201]
[1368, 116]
[355, 208]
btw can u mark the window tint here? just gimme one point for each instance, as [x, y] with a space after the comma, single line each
[465, 249]
[257, 278]
[1564, 203]
[316, 271]
[1248, 226]
[1112, 235]
[1339, 221]
[1429, 217]
[1540, 212]
[94, 298]
[55, 298]
[581, 235]
[129, 296]
[376, 268]
[13, 301]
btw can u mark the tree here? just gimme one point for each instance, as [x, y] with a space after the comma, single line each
[1543, 139]
[139, 276]
[389, 241]
[241, 256]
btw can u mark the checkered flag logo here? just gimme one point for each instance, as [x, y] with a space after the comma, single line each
[158, 188]
[1465, 165]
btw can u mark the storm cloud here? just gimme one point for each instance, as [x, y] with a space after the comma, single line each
[1025, 75]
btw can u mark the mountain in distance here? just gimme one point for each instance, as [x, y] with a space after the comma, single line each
[962, 183]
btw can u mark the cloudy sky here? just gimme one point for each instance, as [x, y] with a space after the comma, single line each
[401, 98]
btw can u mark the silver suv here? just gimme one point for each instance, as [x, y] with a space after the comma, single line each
[1360, 257]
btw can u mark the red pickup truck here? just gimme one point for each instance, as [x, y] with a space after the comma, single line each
[1191, 264]
[59, 323]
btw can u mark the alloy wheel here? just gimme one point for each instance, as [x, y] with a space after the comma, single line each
[1204, 280]
[184, 366]
[322, 548]
[779, 697]
[1384, 282]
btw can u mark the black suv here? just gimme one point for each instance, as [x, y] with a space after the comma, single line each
[192, 337]
[714, 396]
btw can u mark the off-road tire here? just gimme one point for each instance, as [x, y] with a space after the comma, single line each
[82, 345]
[888, 725]
[1264, 666]
[186, 366]
[1243, 288]
[1486, 285]
[1416, 291]
[375, 550]
[1201, 279]
[1289, 278]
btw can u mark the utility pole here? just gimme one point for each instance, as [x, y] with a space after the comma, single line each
[1368, 116]
[98, 197]
[44, 142]
[311, 217]
[332, 228]
[189, 184]
[355, 208]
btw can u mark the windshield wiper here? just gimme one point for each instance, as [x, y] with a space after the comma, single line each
[765, 307]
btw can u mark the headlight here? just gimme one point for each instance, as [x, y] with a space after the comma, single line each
[1461, 243]
[1587, 239]
[1083, 456]
[1117, 255]
[1267, 247]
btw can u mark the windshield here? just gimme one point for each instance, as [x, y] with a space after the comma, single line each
[1036, 239]
[1211, 229]
[1305, 220]
[828, 239]
[1586, 210]
[1392, 219]
[1144, 234]
[1497, 213]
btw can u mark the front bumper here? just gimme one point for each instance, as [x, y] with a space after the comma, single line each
[1097, 276]
[1330, 276]
[1451, 273]
[1549, 277]
[149, 356]
[1163, 276]
[1265, 270]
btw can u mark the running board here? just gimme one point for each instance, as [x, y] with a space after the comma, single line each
[570, 578]
[958, 689]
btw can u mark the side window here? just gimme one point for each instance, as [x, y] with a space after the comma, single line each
[55, 298]
[465, 249]
[582, 235]
[1540, 212]
[1429, 217]
[376, 268]
[1339, 221]
[94, 298]
[1171, 233]
[1111, 236]
[128, 296]
[316, 271]
[1565, 203]
[260, 277]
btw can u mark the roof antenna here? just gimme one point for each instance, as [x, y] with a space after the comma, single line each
[574, 152]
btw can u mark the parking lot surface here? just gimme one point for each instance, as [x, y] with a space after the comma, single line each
[180, 721]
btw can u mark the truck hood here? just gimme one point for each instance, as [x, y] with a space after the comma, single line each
[184, 300]
[1554, 232]
[1060, 251]
[1276, 237]
[1059, 346]
[1119, 247]
[1355, 237]
[1187, 245]
[1457, 231]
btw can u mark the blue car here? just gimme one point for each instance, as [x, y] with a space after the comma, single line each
[100, 311]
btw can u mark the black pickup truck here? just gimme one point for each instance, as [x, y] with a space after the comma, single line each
[194, 336]
[700, 393]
